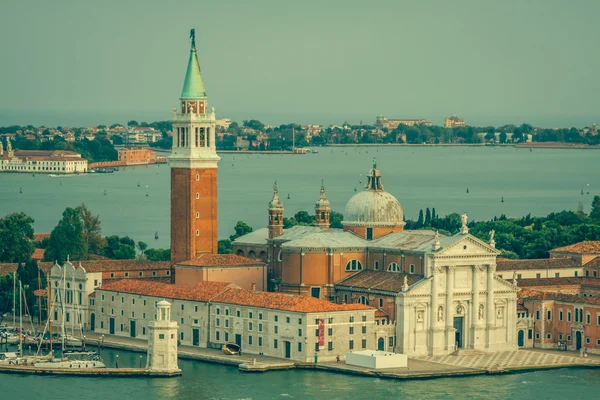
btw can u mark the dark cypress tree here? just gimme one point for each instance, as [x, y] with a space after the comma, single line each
[427, 217]
[420, 220]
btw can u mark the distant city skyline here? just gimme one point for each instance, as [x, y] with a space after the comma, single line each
[76, 64]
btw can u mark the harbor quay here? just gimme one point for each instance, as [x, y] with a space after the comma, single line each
[459, 365]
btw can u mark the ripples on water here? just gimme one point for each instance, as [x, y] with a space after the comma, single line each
[202, 381]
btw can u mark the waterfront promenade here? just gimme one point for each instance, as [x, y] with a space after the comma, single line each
[465, 364]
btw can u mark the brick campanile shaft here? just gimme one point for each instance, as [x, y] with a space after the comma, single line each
[194, 222]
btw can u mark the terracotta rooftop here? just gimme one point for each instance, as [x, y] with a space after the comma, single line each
[40, 236]
[7, 268]
[38, 254]
[589, 246]
[595, 263]
[380, 314]
[284, 302]
[108, 265]
[220, 260]
[566, 281]
[541, 263]
[563, 297]
[379, 280]
[204, 291]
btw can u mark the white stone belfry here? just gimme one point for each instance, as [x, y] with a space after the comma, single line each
[162, 342]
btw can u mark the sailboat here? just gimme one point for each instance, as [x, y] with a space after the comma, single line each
[147, 195]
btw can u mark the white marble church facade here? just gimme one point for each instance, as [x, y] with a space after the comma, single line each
[460, 304]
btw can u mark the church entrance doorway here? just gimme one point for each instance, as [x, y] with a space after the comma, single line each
[238, 339]
[380, 344]
[92, 322]
[578, 340]
[521, 339]
[458, 335]
[196, 337]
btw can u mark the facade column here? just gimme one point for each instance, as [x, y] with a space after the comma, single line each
[490, 315]
[434, 315]
[450, 309]
[475, 306]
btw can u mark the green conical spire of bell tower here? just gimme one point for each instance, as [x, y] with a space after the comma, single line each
[193, 86]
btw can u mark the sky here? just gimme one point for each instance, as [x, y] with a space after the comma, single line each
[69, 62]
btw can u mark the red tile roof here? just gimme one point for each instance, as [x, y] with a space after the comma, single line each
[40, 236]
[595, 263]
[7, 268]
[566, 281]
[542, 263]
[284, 302]
[107, 265]
[38, 254]
[379, 280]
[220, 260]
[590, 246]
[557, 296]
[204, 291]
[380, 313]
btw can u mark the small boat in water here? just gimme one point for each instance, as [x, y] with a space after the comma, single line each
[156, 236]
[231, 349]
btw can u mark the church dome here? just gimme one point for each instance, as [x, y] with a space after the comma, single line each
[373, 206]
[275, 202]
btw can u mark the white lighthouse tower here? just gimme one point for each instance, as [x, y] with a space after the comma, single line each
[162, 342]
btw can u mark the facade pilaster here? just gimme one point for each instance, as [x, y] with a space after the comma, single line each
[449, 308]
[490, 312]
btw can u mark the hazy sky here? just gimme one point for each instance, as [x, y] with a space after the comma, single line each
[307, 61]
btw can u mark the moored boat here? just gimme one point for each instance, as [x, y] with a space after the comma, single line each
[231, 349]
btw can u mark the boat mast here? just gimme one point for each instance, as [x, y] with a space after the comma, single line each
[21, 319]
[14, 321]
[50, 311]
[39, 301]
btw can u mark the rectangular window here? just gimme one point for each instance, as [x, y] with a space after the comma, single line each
[537, 314]
[330, 331]
[330, 346]
[122, 313]
[598, 321]
[182, 321]
[227, 311]
[315, 292]
[122, 329]
[276, 318]
[412, 268]
[352, 318]
[299, 332]
[560, 315]
[217, 335]
[537, 335]
[538, 276]
[364, 329]
[588, 318]
[195, 308]
[249, 314]
[132, 301]
[364, 343]
[330, 320]
[391, 341]
[549, 315]
[102, 297]
[249, 339]
[369, 233]
[181, 336]
[132, 314]
[287, 320]
[143, 330]
[351, 344]
[317, 346]
[227, 336]
[380, 303]
[299, 321]
[587, 273]
[576, 273]
[276, 329]
[364, 318]
[259, 315]
[144, 302]
[238, 313]
[557, 275]
[249, 326]
[299, 347]
[161, 336]
[260, 327]
[560, 336]
[260, 341]
[101, 324]
[316, 332]
[226, 323]
[218, 322]
[519, 276]
[569, 316]
[352, 330]
[587, 340]
[275, 343]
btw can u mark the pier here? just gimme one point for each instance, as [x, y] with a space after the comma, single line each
[96, 372]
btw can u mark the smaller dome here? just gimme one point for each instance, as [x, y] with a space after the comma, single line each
[275, 202]
[323, 202]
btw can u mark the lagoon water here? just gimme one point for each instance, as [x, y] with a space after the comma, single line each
[536, 182]
[201, 381]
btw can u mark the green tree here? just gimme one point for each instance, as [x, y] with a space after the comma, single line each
[16, 234]
[67, 238]
[335, 220]
[420, 220]
[595, 213]
[502, 137]
[158, 254]
[132, 123]
[241, 229]
[304, 218]
[427, 217]
[92, 230]
[125, 252]
[141, 246]
[224, 246]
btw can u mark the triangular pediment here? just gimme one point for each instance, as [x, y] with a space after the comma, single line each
[465, 245]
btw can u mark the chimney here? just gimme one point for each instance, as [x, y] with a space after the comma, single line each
[254, 286]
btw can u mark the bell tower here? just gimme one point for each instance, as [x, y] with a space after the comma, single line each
[322, 209]
[194, 223]
[275, 214]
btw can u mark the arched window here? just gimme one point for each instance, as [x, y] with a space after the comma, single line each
[363, 300]
[393, 267]
[354, 265]
[280, 256]
[376, 265]
[240, 253]
[252, 254]
[263, 255]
